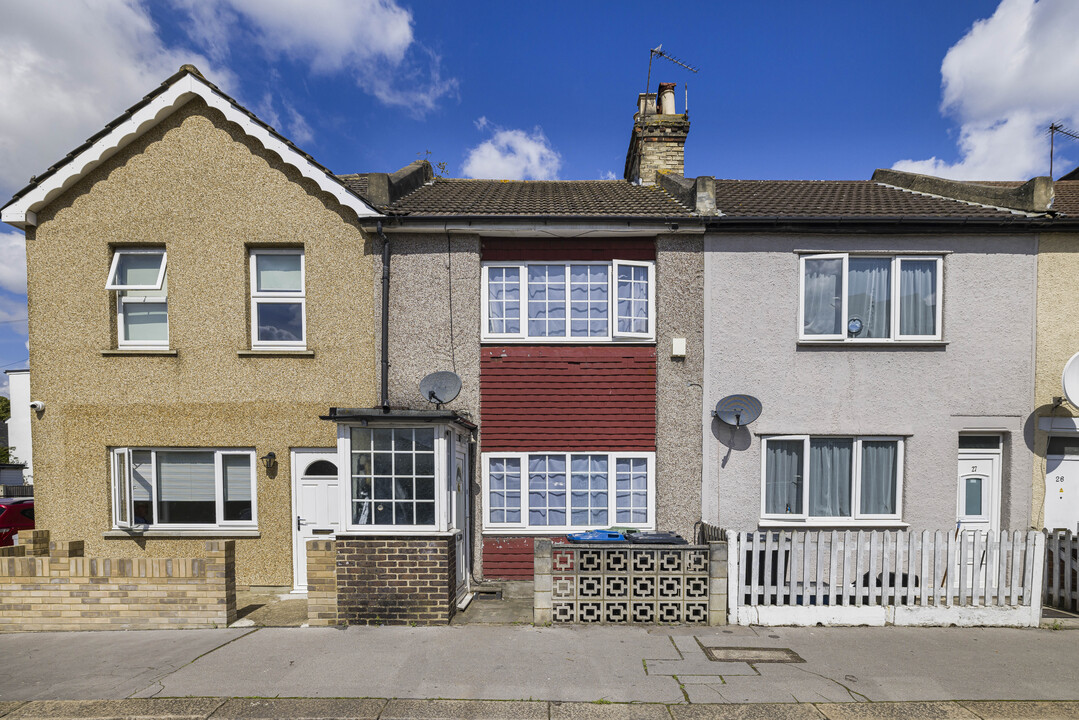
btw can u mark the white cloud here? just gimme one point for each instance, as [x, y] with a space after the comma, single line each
[609, 175]
[514, 155]
[371, 39]
[13, 263]
[480, 122]
[66, 70]
[294, 127]
[1004, 81]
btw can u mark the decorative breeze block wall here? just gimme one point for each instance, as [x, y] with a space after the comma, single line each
[51, 586]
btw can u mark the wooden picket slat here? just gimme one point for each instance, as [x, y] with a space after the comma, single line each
[975, 574]
[833, 575]
[1017, 562]
[770, 588]
[754, 575]
[1028, 568]
[846, 566]
[818, 572]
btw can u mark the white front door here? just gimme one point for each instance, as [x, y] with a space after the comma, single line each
[316, 504]
[978, 490]
[460, 486]
[1062, 483]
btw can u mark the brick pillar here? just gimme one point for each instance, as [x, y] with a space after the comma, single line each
[36, 542]
[542, 582]
[717, 583]
[221, 574]
[65, 548]
[322, 582]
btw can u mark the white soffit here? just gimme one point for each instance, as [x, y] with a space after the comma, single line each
[23, 211]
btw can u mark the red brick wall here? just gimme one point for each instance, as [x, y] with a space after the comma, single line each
[396, 580]
[565, 397]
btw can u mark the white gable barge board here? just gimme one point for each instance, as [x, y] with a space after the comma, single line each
[23, 211]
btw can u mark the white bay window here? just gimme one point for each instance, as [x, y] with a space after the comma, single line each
[856, 298]
[183, 488]
[568, 491]
[826, 479]
[569, 302]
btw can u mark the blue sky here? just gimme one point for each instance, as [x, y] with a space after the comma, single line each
[786, 89]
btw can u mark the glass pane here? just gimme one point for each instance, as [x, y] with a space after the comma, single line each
[402, 440]
[383, 439]
[137, 269]
[631, 474]
[121, 489]
[361, 464]
[979, 442]
[879, 472]
[425, 439]
[280, 322]
[145, 322]
[236, 471]
[383, 513]
[425, 489]
[425, 463]
[185, 488]
[361, 438]
[783, 477]
[321, 468]
[361, 513]
[141, 477]
[546, 300]
[403, 514]
[972, 492]
[504, 300]
[425, 513]
[278, 273]
[589, 479]
[632, 299]
[1064, 445]
[869, 297]
[918, 297]
[505, 486]
[823, 300]
[588, 294]
[830, 471]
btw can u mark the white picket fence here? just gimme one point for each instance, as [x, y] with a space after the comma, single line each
[885, 577]
[1061, 566]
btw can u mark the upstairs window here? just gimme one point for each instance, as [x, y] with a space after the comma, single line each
[137, 275]
[569, 302]
[278, 300]
[856, 298]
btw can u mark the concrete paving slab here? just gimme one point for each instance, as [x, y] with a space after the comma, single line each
[896, 711]
[482, 662]
[463, 710]
[806, 688]
[99, 665]
[156, 709]
[6, 707]
[704, 693]
[301, 708]
[1023, 710]
[773, 711]
[598, 711]
[686, 644]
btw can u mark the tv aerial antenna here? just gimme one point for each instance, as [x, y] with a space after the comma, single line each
[1055, 128]
[657, 51]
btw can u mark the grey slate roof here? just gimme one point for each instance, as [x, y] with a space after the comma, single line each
[539, 198]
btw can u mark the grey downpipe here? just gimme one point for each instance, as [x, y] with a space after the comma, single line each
[384, 401]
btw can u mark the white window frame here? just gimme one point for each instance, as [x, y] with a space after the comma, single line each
[123, 455]
[523, 528]
[124, 300]
[857, 517]
[894, 335]
[612, 334]
[444, 449]
[281, 297]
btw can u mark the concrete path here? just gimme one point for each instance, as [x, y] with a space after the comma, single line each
[573, 671]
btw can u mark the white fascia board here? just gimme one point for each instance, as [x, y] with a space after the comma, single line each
[23, 211]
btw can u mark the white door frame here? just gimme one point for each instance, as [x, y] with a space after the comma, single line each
[462, 515]
[299, 585]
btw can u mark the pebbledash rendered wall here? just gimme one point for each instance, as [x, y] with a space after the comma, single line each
[979, 378]
[197, 185]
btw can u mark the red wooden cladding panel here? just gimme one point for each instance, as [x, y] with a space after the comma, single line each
[564, 249]
[559, 397]
[510, 558]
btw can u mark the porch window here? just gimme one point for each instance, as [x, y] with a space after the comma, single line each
[555, 492]
[393, 477]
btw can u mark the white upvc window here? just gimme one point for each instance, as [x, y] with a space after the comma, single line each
[278, 299]
[829, 480]
[137, 276]
[569, 301]
[550, 492]
[858, 298]
[182, 488]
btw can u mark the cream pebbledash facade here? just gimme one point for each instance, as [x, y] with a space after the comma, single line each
[200, 292]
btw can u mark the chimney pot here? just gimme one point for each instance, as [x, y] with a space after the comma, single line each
[666, 99]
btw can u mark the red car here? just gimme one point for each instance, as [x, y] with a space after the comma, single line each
[15, 514]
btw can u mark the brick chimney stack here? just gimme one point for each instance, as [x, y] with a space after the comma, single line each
[659, 138]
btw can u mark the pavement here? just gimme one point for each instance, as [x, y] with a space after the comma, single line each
[511, 671]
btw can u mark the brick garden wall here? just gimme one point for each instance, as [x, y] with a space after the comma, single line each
[50, 586]
[381, 580]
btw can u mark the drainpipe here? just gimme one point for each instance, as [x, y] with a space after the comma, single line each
[384, 401]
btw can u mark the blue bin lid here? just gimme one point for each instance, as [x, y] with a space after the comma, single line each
[596, 536]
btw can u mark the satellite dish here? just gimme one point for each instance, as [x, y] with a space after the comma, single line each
[739, 410]
[1070, 380]
[440, 387]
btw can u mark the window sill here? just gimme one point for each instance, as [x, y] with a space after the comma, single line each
[827, 524]
[179, 534]
[276, 353]
[559, 532]
[566, 341]
[152, 352]
[873, 343]
[403, 531]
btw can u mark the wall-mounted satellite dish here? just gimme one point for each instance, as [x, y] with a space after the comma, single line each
[440, 387]
[738, 410]
[1070, 380]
